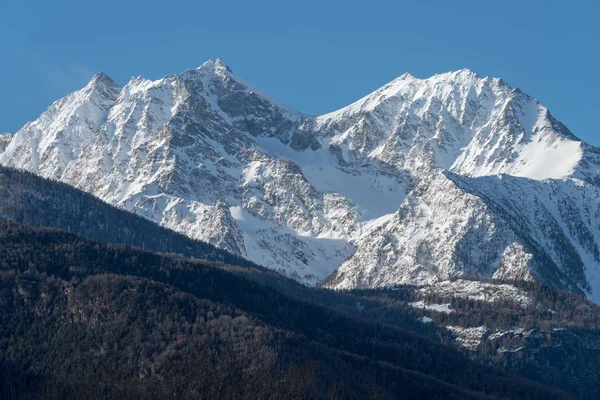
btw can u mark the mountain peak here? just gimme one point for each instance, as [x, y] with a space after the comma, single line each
[460, 75]
[465, 71]
[405, 76]
[102, 79]
[220, 64]
[216, 65]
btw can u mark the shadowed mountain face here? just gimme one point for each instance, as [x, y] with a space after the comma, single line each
[424, 179]
[28, 199]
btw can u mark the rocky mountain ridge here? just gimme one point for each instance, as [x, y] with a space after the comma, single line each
[424, 179]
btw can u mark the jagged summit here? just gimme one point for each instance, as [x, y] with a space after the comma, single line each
[100, 89]
[102, 78]
[463, 73]
[215, 64]
[423, 179]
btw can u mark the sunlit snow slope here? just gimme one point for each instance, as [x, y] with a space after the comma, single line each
[424, 179]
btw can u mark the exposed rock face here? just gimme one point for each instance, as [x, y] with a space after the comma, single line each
[5, 140]
[455, 175]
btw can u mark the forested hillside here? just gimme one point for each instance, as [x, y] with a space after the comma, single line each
[80, 317]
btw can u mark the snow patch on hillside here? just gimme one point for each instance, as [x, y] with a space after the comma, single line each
[476, 290]
[468, 337]
[441, 308]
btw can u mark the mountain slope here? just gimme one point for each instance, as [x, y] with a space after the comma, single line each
[28, 199]
[5, 140]
[66, 302]
[499, 227]
[377, 190]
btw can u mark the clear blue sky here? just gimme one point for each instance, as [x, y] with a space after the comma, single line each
[316, 56]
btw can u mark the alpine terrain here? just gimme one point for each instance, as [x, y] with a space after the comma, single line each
[139, 311]
[456, 175]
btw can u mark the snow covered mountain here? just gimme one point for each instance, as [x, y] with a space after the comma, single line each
[424, 179]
